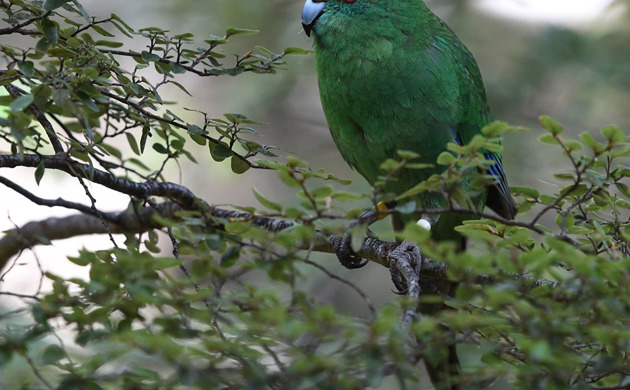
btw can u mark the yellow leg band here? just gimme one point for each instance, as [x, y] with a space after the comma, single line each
[380, 207]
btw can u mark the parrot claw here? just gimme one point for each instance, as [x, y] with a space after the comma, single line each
[399, 282]
[411, 252]
[345, 254]
[342, 246]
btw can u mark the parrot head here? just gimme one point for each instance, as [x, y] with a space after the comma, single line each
[310, 13]
[357, 12]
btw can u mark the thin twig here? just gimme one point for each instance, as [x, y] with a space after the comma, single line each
[37, 373]
[18, 27]
[348, 283]
[41, 118]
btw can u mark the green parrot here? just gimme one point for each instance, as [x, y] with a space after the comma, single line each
[393, 76]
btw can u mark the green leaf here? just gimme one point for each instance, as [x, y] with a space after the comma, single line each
[293, 161]
[9, 76]
[602, 199]
[590, 141]
[162, 67]
[446, 158]
[178, 85]
[573, 145]
[160, 148]
[322, 192]
[146, 130]
[266, 202]
[547, 199]
[613, 134]
[26, 67]
[493, 147]
[144, 373]
[564, 176]
[541, 351]
[416, 233]
[50, 30]
[549, 124]
[61, 52]
[495, 128]
[84, 258]
[21, 102]
[162, 263]
[296, 50]
[194, 129]
[569, 220]
[102, 31]
[52, 354]
[419, 166]
[50, 5]
[119, 20]
[220, 151]
[230, 256]
[239, 31]
[238, 165]
[42, 45]
[527, 192]
[87, 101]
[177, 68]
[390, 165]
[548, 139]
[149, 57]
[39, 172]
[82, 10]
[105, 43]
[358, 236]
[624, 189]
[288, 179]
[199, 139]
[342, 196]
[407, 154]
[240, 118]
[133, 143]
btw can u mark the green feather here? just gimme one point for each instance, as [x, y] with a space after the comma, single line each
[393, 76]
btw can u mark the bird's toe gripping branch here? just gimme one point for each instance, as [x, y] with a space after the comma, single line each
[343, 245]
[345, 254]
[406, 261]
[405, 265]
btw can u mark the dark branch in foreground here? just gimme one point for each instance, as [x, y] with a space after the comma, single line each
[143, 219]
[176, 192]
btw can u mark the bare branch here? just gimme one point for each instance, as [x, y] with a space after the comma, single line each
[18, 27]
[169, 190]
[46, 202]
[41, 232]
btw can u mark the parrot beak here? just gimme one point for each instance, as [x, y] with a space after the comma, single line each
[310, 13]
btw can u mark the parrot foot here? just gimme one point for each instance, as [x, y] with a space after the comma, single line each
[345, 254]
[409, 253]
[342, 246]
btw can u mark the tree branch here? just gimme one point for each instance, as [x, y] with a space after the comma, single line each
[173, 123]
[142, 219]
[41, 118]
[169, 190]
[18, 27]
